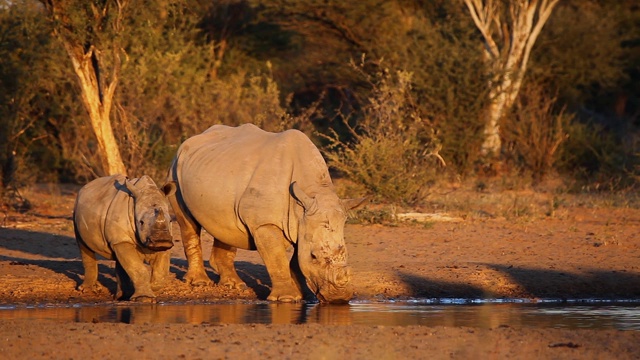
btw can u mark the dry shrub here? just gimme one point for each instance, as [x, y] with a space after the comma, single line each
[535, 132]
[393, 151]
[79, 148]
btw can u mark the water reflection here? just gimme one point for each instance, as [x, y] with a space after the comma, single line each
[484, 315]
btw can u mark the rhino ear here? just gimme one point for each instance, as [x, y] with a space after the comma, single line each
[131, 187]
[169, 188]
[309, 204]
[351, 204]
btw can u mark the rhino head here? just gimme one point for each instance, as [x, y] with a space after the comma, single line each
[151, 213]
[321, 250]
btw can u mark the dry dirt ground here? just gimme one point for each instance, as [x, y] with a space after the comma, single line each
[573, 252]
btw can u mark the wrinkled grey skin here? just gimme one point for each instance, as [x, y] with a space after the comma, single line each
[256, 190]
[127, 221]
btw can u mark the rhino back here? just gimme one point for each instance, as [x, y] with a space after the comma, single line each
[102, 214]
[233, 180]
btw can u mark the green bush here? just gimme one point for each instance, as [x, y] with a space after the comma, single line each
[598, 158]
[394, 152]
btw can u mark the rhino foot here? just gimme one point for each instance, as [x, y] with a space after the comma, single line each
[150, 299]
[93, 287]
[283, 296]
[157, 286]
[197, 279]
[231, 283]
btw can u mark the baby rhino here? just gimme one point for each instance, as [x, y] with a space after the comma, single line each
[127, 221]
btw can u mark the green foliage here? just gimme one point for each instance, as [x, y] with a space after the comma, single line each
[170, 89]
[588, 55]
[189, 65]
[581, 53]
[33, 96]
[597, 158]
[435, 41]
[441, 49]
[394, 151]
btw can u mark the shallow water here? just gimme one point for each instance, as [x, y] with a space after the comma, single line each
[575, 314]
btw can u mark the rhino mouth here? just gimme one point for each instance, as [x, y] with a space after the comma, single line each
[156, 243]
[328, 293]
[333, 300]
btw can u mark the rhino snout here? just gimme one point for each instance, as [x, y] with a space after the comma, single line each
[335, 288]
[159, 245]
[342, 278]
[159, 241]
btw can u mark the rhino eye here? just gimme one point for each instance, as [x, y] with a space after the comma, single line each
[141, 222]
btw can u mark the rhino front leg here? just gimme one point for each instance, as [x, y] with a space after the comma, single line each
[190, 233]
[270, 242]
[221, 260]
[127, 257]
[160, 270]
[296, 273]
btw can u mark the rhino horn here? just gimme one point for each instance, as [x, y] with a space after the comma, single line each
[131, 187]
[309, 204]
[160, 219]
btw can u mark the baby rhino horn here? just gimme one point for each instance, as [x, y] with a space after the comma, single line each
[132, 188]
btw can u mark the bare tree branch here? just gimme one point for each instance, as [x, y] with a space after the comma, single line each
[520, 30]
[85, 56]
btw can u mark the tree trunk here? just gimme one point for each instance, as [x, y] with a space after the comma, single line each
[100, 19]
[98, 106]
[507, 59]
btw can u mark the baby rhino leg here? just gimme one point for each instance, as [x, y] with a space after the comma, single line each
[160, 263]
[128, 258]
[90, 265]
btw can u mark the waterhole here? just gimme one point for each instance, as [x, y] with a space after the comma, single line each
[592, 314]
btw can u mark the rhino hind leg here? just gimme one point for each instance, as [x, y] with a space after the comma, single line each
[221, 260]
[271, 243]
[90, 264]
[190, 233]
[134, 279]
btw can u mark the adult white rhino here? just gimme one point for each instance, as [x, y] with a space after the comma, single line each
[256, 190]
[127, 221]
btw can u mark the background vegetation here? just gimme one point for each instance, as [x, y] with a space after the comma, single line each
[393, 92]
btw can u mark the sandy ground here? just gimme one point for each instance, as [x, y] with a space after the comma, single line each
[576, 252]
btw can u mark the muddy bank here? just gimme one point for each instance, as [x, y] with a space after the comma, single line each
[576, 253]
[20, 340]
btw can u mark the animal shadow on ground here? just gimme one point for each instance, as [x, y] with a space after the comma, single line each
[38, 243]
[179, 268]
[421, 286]
[62, 253]
[254, 275]
[21, 247]
[591, 283]
[72, 269]
[534, 283]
